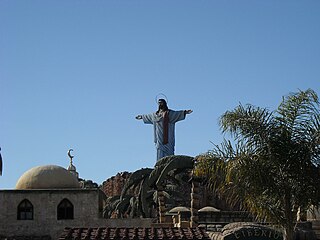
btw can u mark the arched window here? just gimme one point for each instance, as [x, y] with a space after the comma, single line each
[25, 210]
[65, 210]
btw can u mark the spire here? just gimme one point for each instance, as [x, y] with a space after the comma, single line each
[0, 164]
[71, 167]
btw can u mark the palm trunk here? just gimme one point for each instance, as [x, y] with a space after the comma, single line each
[289, 226]
[162, 206]
[194, 202]
[288, 233]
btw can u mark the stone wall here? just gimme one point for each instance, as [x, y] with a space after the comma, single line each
[215, 221]
[114, 185]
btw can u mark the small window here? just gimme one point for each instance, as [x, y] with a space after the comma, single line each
[25, 210]
[65, 210]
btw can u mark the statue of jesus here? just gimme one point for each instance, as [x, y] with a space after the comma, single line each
[163, 122]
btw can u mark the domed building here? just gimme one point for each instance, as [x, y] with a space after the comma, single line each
[45, 200]
[47, 177]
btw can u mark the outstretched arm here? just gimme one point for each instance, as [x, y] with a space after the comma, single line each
[147, 118]
[188, 111]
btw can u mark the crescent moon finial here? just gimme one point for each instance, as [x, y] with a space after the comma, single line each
[69, 154]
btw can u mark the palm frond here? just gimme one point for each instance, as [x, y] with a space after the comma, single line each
[272, 166]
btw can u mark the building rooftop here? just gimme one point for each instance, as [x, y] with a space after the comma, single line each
[134, 233]
[46, 237]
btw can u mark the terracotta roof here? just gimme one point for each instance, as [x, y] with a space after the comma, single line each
[47, 237]
[134, 234]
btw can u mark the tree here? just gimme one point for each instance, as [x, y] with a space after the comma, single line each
[272, 167]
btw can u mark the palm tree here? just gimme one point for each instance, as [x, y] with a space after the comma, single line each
[273, 169]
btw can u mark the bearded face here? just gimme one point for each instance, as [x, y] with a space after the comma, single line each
[162, 105]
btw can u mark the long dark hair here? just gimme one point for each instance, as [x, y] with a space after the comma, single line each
[165, 107]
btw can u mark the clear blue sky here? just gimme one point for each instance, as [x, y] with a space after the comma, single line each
[74, 74]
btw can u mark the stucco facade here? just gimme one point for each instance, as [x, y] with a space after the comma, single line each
[87, 207]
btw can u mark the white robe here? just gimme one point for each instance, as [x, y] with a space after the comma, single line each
[157, 121]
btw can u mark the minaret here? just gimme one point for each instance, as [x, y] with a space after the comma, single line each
[71, 167]
[0, 164]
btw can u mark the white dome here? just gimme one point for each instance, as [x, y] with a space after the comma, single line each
[209, 209]
[179, 209]
[47, 177]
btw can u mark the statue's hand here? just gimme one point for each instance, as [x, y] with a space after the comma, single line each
[139, 117]
[188, 111]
